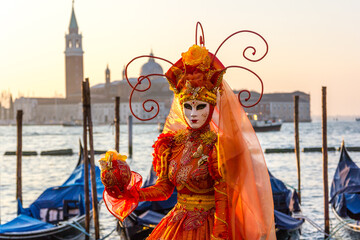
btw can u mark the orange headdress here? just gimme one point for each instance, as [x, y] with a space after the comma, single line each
[197, 75]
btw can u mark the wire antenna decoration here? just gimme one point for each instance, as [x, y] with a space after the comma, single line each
[150, 105]
[139, 81]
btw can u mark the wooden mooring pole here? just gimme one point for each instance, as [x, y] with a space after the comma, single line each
[86, 161]
[297, 145]
[117, 124]
[130, 142]
[325, 162]
[92, 164]
[19, 115]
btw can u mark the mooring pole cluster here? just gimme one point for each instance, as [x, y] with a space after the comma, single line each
[87, 127]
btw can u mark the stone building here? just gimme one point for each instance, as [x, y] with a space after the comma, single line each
[69, 109]
[7, 112]
[279, 106]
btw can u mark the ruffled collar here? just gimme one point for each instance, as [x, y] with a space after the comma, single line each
[195, 134]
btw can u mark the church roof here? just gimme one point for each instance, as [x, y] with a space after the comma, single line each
[73, 26]
[151, 67]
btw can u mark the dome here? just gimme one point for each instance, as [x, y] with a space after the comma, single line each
[151, 67]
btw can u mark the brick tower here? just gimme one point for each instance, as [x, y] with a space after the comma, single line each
[74, 68]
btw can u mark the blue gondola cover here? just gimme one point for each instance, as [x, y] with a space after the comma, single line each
[284, 221]
[345, 188]
[24, 223]
[50, 206]
[150, 217]
[285, 200]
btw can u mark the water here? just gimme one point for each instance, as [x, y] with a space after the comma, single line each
[41, 172]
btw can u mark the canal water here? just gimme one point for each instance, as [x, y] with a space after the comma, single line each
[41, 172]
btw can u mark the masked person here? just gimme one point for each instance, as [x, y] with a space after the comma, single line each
[210, 153]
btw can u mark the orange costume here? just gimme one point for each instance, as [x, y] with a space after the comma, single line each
[218, 169]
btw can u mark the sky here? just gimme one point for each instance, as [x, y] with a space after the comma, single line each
[312, 43]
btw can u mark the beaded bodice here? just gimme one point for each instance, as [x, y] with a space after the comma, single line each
[188, 168]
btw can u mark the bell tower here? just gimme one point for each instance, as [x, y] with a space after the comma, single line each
[107, 75]
[74, 68]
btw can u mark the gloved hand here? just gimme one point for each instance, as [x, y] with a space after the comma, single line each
[115, 173]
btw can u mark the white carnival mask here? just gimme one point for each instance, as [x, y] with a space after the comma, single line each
[196, 113]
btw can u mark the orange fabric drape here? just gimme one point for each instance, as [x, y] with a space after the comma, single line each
[242, 164]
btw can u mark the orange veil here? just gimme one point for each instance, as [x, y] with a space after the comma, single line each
[242, 165]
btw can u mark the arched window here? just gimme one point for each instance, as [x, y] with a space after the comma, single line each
[77, 45]
[70, 44]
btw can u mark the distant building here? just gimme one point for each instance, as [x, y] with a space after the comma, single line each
[69, 109]
[7, 110]
[279, 106]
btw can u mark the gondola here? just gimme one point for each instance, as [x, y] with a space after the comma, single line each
[58, 213]
[140, 223]
[286, 210]
[345, 192]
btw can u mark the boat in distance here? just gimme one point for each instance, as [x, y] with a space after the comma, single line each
[264, 125]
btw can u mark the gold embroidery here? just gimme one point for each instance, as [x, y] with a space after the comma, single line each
[186, 154]
[172, 170]
[205, 202]
[161, 191]
[180, 136]
[219, 81]
[217, 218]
[198, 152]
[216, 238]
[203, 160]
[183, 174]
[217, 190]
[206, 190]
[201, 94]
[208, 137]
[164, 159]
